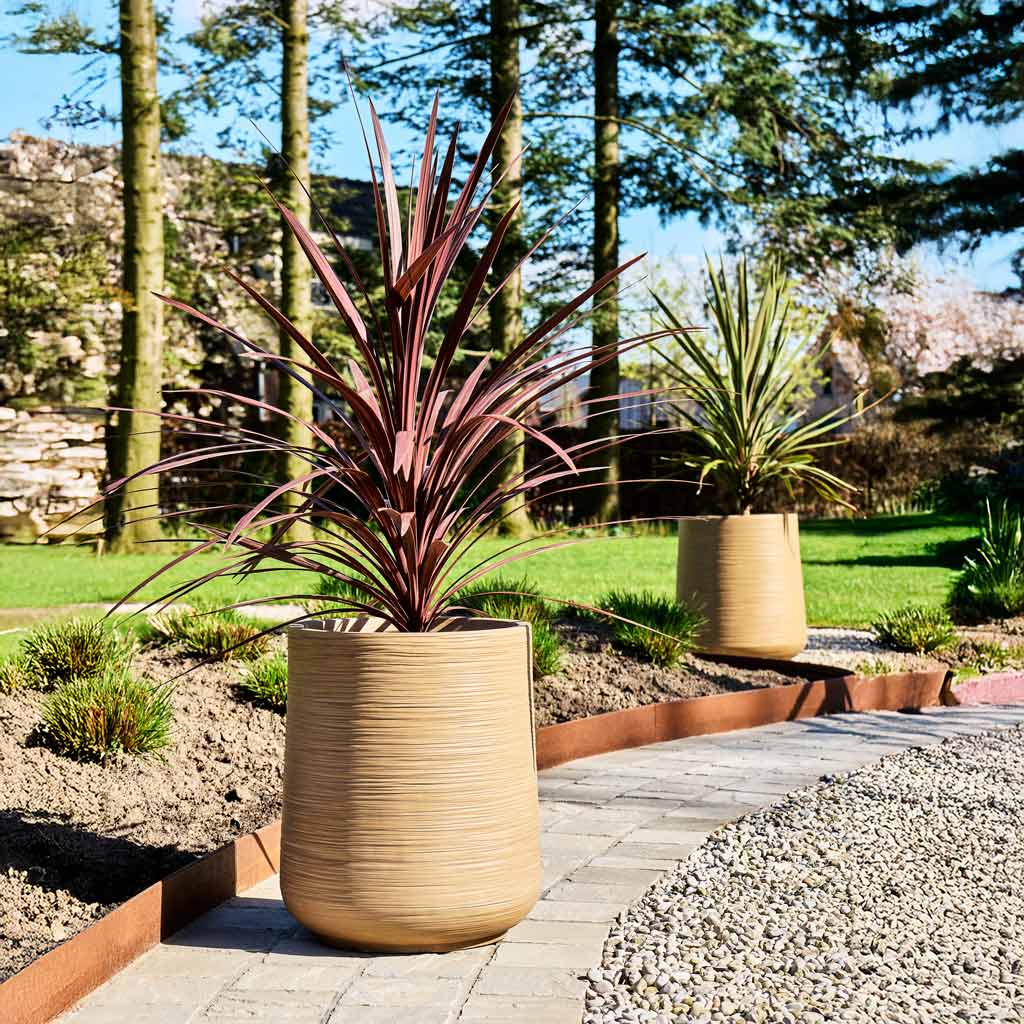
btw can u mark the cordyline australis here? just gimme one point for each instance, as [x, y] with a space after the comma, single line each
[419, 437]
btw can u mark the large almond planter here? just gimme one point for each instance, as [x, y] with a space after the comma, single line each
[745, 571]
[411, 819]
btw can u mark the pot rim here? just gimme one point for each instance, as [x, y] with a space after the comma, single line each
[739, 516]
[457, 628]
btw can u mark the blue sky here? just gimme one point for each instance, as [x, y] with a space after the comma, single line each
[31, 85]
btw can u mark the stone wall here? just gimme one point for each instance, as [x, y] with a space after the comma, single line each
[51, 466]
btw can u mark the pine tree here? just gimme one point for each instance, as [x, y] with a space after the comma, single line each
[506, 312]
[961, 59]
[603, 420]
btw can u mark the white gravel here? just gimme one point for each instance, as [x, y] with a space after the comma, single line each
[892, 894]
[855, 649]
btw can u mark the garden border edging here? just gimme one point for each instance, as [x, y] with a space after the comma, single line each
[823, 690]
[57, 980]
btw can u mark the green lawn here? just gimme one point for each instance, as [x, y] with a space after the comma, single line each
[853, 569]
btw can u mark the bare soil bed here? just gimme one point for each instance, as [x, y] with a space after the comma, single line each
[78, 838]
[594, 678]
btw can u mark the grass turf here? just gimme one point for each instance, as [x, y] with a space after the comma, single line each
[853, 569]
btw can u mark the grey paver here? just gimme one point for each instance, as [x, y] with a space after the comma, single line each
[367, 991]
[530, 981]
[610, 826]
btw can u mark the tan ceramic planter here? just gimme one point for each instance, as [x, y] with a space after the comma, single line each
[745, 571]
[411, 818]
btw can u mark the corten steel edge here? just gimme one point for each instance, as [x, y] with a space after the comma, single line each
[820, 690]
[58, 979]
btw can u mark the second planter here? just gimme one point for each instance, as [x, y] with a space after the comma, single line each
[745, 573]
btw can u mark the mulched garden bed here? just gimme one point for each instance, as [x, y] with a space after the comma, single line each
[78, 838]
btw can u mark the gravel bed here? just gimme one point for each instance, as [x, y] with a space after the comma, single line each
[892, 894]
[857, 650]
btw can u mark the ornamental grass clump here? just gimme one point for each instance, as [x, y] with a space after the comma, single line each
[113, 712]
[916, 629]
[63, 652]
[265, 681]
[747, 415]
[991, 585]
[12, 674]
[217, 634]
[415, 477]
[519, 600]
[658, 628]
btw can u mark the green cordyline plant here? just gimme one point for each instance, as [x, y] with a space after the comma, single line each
[747, 417]
[399, 508]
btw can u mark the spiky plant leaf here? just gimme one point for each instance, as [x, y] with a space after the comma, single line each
[396, 508]
[746, 415]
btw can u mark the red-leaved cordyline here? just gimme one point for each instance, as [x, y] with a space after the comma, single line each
[424, 469]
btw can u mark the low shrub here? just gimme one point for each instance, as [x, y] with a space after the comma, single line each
[871, 667]
[501, 597]
[112, 712]
[63, 652]
[984, 656]
[521, 601]
[661, 630]
[915, 628]
[12, 674]
[991, 585]
[547, 649]
[265, 681]
[218, 635]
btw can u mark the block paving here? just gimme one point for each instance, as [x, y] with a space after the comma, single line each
[611, 825]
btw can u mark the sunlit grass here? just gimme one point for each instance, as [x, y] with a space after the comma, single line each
[853, 570]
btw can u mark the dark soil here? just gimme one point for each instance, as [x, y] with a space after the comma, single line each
[76, 839]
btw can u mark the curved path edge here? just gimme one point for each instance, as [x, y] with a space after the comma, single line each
[612, 825]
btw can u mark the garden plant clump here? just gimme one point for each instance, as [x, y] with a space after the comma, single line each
[658, 628]
[890, 894]
[12, 674]
[218, 634]
[916, 629]
[94, 705]
[991, 585]
[109, 712]
[265, 681]
[63, 652]
[501, 598]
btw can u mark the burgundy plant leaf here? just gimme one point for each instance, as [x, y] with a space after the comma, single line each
[401, 503]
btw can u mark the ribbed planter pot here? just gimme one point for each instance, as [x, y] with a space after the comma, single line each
[745, 572]
[411, 818]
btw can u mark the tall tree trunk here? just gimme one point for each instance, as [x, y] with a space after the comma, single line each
[603, 418]
[296, 276]
[507, 308]
[133, 441]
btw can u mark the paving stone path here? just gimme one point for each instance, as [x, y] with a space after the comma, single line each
[612, 824]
